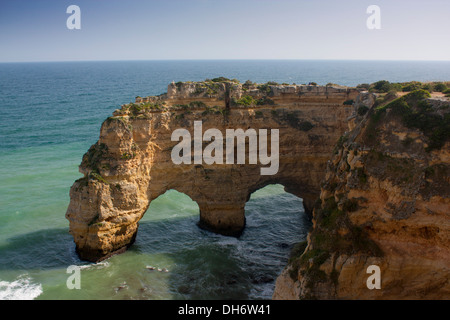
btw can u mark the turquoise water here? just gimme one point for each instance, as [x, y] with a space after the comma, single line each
[51, 114]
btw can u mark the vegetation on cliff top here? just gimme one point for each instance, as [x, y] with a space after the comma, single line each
[95, 154]
[384, 86]
[251, 101]
[415, 112]
[92, 160]
[221, 88]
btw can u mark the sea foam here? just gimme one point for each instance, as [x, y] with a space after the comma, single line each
[20, 289]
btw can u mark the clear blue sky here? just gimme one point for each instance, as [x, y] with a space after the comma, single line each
[35, 30]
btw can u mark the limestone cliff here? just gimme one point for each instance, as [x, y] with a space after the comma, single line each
[383, 190]
[131, 163]
[385, 201]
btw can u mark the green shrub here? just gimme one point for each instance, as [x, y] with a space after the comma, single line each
[440, 87]
[326, 236]
[247, 84]
[365, 86]
[415, 112]
[390, 95]
[198, 104]
[265, 101]
[340, 143]
[395, 87]
[362, 110]
[246, 101]
[297, 250]
[94, 156]
[305, 125]
[348, 102]
[386, 86]
[370, 133]
[378, 101]
[416, 96]
[220, 79]
[265, 88]
[293, 120]
[381, 85]
[412, 86]
[127, 155]
[97, 176]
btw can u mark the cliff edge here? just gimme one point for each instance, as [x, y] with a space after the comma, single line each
[384, 202]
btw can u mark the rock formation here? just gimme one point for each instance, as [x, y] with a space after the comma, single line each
[373, 173]
[385, 201]
[131, 163]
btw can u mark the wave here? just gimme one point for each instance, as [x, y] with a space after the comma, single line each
[20, 289]
[98, 265]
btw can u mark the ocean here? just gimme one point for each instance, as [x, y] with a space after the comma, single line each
[51, 114]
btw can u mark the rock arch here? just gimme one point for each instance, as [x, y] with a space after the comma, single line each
[131, 163]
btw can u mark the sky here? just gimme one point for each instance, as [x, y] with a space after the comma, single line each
[36, 30]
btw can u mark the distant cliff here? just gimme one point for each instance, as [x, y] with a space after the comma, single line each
[385, 201]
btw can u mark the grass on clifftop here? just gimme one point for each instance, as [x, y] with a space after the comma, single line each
[384, 86]
[415, 113]
[250, 101]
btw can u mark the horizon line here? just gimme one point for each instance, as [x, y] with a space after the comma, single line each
[233, 59]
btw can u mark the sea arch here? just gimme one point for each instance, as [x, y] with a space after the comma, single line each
[131, 165]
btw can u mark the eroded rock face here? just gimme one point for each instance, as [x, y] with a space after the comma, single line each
[385, 201]
[131, 163]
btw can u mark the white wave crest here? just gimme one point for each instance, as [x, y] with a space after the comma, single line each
[20, 289]
[98, 265]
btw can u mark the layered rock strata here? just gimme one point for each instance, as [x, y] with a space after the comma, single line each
[131, 163]
[385, 202]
